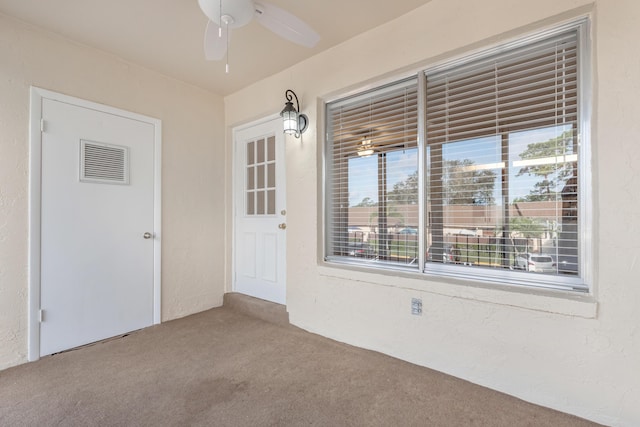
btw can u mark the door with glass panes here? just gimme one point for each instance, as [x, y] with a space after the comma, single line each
[260, 211]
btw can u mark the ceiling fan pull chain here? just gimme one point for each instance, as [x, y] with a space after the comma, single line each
[220, 21]
[227, 65]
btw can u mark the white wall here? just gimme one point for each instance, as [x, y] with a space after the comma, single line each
[193, 134]
[578, 355]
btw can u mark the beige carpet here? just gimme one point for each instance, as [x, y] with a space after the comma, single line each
[223, 368]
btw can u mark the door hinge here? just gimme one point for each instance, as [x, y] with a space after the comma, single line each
[41, 125]
[41, 316]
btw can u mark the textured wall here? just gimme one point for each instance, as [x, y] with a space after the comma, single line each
[193, 235]
[579, 355]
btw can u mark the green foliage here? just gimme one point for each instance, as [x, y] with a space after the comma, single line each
[405, 192]
[465, 185]
[527, 226]
[366, 202]
[553, 174]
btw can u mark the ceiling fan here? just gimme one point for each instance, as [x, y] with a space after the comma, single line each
[225, 15]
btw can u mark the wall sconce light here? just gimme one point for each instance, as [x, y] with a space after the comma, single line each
[294, 122]
[365, 149]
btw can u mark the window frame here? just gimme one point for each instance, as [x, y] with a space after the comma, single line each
[583, 281]
[385, 144]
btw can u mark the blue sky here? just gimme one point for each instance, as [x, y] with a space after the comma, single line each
[363, 173]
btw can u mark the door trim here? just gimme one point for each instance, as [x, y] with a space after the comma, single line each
[35, 192]
[235, 176]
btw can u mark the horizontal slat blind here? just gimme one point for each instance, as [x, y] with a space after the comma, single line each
[372, 175]
[386, 117]
[530, 87]
[503, 158]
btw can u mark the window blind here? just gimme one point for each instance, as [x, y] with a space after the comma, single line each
[372, 175]
[529, 87]
[502, 174]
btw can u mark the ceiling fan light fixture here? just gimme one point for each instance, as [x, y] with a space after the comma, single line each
[294, 123]
[242, 11]
[365, 149]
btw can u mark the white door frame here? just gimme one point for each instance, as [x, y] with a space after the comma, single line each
[35, 193]
[238, 175]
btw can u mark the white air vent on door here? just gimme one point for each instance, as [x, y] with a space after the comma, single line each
[104, 163]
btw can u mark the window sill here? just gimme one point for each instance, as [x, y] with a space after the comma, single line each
[567, 303]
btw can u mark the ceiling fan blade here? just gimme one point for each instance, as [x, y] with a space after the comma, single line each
[215, 46]
[286, 25]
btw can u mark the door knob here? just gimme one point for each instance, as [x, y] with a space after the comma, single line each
[147, 235]
[282, 226]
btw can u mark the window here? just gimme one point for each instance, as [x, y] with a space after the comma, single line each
[495, 188]
[373, 176]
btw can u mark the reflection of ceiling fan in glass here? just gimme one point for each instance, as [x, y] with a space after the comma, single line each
[225, 15]
[365, 149]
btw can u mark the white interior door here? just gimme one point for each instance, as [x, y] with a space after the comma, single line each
[260, 212]
[97, 203]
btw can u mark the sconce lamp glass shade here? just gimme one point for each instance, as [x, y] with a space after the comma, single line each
[294, 123]
[290, 118]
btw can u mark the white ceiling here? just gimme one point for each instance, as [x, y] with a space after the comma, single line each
[167, 35]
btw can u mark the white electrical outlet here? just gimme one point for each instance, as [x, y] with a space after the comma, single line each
[416, 306]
